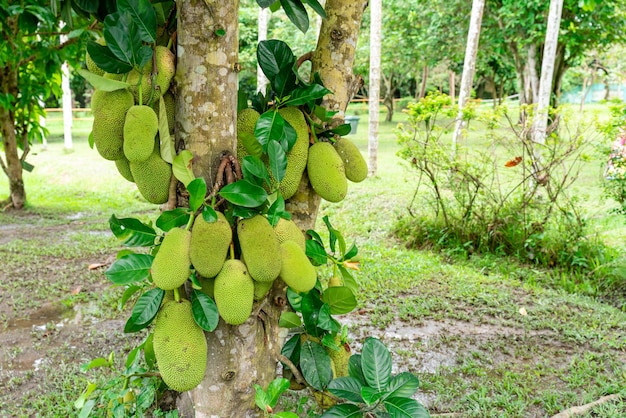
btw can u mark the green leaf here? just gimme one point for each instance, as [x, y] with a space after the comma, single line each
[355, 369]
[278, 160]
[27, 166]
[352, 252]
[146, 397]
[348, 279]
[318, 8]
[250, 143]
[295, 300]
[325, 320]
[102, 83]
[89, 6]
[132, 356]
[252, 166]
[304, 95]
[403, 385]
[95, 363]
[277, 61]
[182, 167]
[405, 408]
[334, 236]
[197, 193]
[286, 414]
[371, 395]
[90, 140]
[295, 11]
[105, 59]
[122, 37]
[145, 310]
[168, 151]
[347, 388]
[376, 364]
[209, 214]
[269, 127]
[265, 3]
[277, 211]
[289, 320]
[275, 389]
[261, 398]
[132, 231]
[172, 219]
[340, 299]
[80, 402]
[291, 349]
[244, 193]
[130, 269]
[244, 213]
[315, 236]
[346, 410]
[143, 15]
[315, 251]
[204, 311]
[85, 411]
[128, 293]
[315, 365]
[311, 305]
[148, 350]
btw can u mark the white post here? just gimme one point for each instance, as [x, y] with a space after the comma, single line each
[42, 123]
[67, 100]
[374, 87]
[262, 24]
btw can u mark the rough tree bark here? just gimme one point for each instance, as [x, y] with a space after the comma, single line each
[206, 77]
[376, 19]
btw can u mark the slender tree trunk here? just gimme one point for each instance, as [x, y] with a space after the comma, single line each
[262, 24]
[469, 66]
[376, 10]
[452, 81]
[533, 78]
[390, 92]
[540, 122]
[422, 91]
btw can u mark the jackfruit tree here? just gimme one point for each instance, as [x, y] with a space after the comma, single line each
[240, 179]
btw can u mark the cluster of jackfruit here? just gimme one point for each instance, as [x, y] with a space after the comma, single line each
[329, 166]
[125, 126]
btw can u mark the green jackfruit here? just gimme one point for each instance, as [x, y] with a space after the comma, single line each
[260, 248]
[140, 128]
[166, 67]
[170, 268]
[153, 178]
[340, 357]
[353, 161]
[109, 112]
[124, 168]
[297, 155]
[261, 289]
[170, 109]
[247, 143]
[287, 230]
[179, 346]
[326, 172]
[296, 270]
[145, 75]
[91, 65]
[209, 245]
[234, 292]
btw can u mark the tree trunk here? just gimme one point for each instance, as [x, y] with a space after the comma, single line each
[262, 24]
[469, 66]
[533, 78]
[390, 92]
[374, 90]
[422, 90]
[452, 82]
[540, 122]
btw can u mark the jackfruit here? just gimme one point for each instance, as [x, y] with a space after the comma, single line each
[287, 230]
[326, 172]
[166, 67]
[91, 65]
[234, 292]
[153, 177]
[179, 346]
[353, 161]
[340, 357]
[297, 156]
[124, 168]
[335, 281]
[109, 112]
[296, 270]
[210, 242]
[261, 289]
[145, 75]
[170, 109]
[140, 128]
[259, 247]
[170, 268]
[246, 122]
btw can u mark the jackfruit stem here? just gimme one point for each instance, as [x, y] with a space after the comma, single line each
[140, 89]
[312, 130]
[232, 250]
[176, 295]
[192, 217]
[125, 385]
[169, 43]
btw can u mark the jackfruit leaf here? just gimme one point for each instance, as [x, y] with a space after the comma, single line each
[371, 395]
[88, 406]
[315, 365]
[204, 311]
[334, 236]
[261, 398]
[27, 166]
[195, 282]
[348, 279]
[316, 253]
[376, 364]
[310, 308]
[265, 3]
[304, 95]
[143, 15]
[340, 299]
[275, 6]
[354, 368]
[244, 213]
[95, 363]
[90, 140]
[405, 408]
[277, 211]
[329, 342]
[146, 397]
[172, 219]
[317, 7]
[295, 300]
[89, 6]
[197, 193]
[323, 114]
[403, 385]
[295, 11]
[252, 166]
[148, 350]
[275, 389]
[128, 293]
[289, 320]
[346, 410]
[123, 253]
[132, 357]
[352, 252]
[291, 349]
[209, 214]
[278, 160]
[80, 402]
[244, 193]
[167, 142]
[269, 127]
[342, 130]
[250, 143]
[325, 320]
[131, 268]
[105, 59]
[122, 37]
[102, 83]
[132, 231]
[315, 236]
[346, 387]
[145, 310]
[277, 61]
[182, 167]
[285, 414]
[242, 100]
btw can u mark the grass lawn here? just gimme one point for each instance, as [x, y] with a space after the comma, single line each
[484, 338]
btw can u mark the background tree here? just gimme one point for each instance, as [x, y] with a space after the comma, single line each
[374, 85]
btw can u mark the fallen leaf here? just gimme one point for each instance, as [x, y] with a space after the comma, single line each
[94, 266]
[76, 291]
[512, 163]
[523, 312]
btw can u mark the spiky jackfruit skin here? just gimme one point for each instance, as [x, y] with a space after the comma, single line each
[91, 65]
[146, 84]
[166, 67]
[152, 178]
[259, 247]
[340, 357]
[123, 166]
[170, 268]
[234, 292]
[179, 346]
[296, 270]
[170, 109]
[326, 172]
[246, 122]
[209, 245]
[208, 286]
[287, 230]
[353, 161]
[261, 289]
[109, 112]
[140, 128]
[297, 155]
